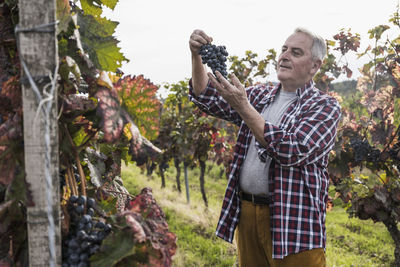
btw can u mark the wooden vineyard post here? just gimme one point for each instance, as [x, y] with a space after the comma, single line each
[36, 35]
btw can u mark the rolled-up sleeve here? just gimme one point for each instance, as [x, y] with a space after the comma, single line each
[210, 102]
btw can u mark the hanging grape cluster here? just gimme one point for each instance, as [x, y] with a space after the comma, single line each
[215, 57]
[85, 234]
[363, 151]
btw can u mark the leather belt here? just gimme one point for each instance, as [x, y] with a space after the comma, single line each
[256, 199]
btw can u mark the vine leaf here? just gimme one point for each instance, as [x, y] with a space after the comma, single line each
[98, 42]
[63, 15]
[114, 248]
[110, 3]
[96, 166]
[141, 236]
[91, 7]
[109, 110]
[113, 119]
[139, 99]
[78, 104]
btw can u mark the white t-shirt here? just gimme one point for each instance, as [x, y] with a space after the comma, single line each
[253, 177]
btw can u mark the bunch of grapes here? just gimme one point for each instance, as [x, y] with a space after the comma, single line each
[85, 234]
[364, 151]
[360, 148]
[215, 57]
[374, 155]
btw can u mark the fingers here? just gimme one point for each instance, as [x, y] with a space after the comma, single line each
[202, 35]
[236, 81]
[215, 82]
[222, 79]
[197, 39]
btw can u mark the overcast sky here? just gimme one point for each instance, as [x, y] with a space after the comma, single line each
[154, 34]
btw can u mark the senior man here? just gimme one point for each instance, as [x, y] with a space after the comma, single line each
[278, 183]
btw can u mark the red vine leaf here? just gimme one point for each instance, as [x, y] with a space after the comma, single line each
[139, 99]
[147, 220]
[347, 41]
[109, 111]
[78, 104]
[11, 89]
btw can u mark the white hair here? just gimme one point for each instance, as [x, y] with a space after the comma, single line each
[318, 49]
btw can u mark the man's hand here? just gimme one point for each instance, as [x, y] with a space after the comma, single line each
[234, 94]
[197, 39]
[199, 74]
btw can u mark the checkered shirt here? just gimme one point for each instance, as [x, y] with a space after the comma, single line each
[298, 179]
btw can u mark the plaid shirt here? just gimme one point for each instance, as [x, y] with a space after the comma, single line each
[299, 147]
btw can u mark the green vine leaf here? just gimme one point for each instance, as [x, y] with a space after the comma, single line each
[90, 8]
[110, 3]
[98, 42]
[115, 248]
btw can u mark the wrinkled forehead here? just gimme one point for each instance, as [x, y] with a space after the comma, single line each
[299, 40]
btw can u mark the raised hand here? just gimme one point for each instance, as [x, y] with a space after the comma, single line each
[234, 94]
[197, 39]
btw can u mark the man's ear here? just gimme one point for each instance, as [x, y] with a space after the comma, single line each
[316, 64]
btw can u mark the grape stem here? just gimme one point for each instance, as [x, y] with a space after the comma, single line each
[77, 161]
[71, 179]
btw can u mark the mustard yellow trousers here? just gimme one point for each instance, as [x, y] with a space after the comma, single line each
[253, 239]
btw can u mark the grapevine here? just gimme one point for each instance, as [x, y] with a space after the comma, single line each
[97, 130]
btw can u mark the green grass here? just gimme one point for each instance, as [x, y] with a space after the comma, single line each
[350, 242]
[353, 242]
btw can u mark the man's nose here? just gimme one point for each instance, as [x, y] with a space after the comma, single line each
[284, 55]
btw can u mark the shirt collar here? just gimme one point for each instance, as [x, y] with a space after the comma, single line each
[302, 91]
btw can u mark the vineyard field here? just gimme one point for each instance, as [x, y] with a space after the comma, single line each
[351, 241]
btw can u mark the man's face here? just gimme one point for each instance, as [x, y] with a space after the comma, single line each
[295, 63]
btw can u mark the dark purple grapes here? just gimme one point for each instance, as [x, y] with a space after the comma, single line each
[81, 200]
[215, 57]
[90, 211]
[363, 151]
[100, 225]
[374, 155]
[90, 202]
[86, 218]
[85, 235]
[79, 209]
[73, 199]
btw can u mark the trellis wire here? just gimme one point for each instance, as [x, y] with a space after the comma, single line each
[49, 100]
